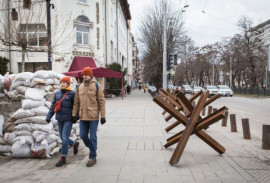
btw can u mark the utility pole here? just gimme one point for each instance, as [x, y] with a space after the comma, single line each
[164, 86]
[266, 69]
[213, 73]
[230, 72]
[48, 4]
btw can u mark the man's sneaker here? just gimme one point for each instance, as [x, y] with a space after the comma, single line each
[91, 162]
[61, 162]
[75, 148]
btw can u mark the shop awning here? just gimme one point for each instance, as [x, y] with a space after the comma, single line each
[99, 72]
[79, 63]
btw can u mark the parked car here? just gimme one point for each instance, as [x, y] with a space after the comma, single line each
[196, 89]
[225, 90]
[187, 88]
[212, 89]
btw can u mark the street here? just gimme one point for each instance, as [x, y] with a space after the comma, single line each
[130, 149]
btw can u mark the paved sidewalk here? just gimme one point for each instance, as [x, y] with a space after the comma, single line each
[130, 150]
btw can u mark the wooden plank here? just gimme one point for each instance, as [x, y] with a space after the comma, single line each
[207, 121]
[188, 130]
[216, 146]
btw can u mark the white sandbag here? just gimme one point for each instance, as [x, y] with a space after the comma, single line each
[54, 121]
[54, 150]
[52, 138]
[9, 137]
[21, 89]
[38, 119]
[56, 81]
[48, 104]
[44, 143]
[24, 127]
[49, 81]
[2, 95]
[24, 76]
[43, 74]
[12, 94]
[6, 154]
[47, 88]
[51, 146]
[3, 141]
[21, 113]
[35, 134]
[1, 124]
[22, 120]
[23, 133]
[19, 83]
[34, 94]
[56, 87]
[5, 148]
[40, 137]
[57, 75]
[30, 104]
[20, 149]
[40, 111]
[28, 139]
[41, 127]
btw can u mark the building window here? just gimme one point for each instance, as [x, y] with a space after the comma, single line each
[82, 30]
[33, 34]
[82, 35]
[82, 1]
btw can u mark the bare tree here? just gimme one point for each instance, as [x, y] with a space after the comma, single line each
[26, 31]
[151, 29]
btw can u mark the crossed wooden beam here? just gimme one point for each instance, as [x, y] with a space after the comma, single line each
[180, 108]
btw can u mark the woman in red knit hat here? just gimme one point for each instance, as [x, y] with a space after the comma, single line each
[64, 118]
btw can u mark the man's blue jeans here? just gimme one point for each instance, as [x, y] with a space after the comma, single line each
[91, 143]
[64, 129]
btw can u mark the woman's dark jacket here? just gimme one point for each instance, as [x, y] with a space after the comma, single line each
[65, 113]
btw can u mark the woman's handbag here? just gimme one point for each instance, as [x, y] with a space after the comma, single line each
[57, 105]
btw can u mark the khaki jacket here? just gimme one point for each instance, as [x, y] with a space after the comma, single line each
[86, 102]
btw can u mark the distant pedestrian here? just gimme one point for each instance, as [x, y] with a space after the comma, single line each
[88, 103]
[64, 118]
[128, 89]
[144, 88]
[139, 87]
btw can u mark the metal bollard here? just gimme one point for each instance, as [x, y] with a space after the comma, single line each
[209, 110]
[266, 137]
[246, 129]
[224, 120]
[233, 123]
[203, 111]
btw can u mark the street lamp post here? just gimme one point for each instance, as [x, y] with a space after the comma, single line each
[164, 46]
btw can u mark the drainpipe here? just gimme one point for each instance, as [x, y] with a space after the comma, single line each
[117, 31]
[9, 53]
[106, 46]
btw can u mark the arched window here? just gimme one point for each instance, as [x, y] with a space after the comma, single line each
[83, 19]
[82, 30]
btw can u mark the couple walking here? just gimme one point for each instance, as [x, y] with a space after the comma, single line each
[84, 104]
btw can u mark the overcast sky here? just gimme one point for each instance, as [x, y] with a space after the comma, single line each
[219, 20]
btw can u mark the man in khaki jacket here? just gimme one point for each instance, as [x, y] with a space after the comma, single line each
[88, 103]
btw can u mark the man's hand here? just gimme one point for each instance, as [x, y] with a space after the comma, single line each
[74, 119]
[48, 121]
[103, 120]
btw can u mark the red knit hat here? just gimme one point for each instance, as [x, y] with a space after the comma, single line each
[87, 71]
[66, 79]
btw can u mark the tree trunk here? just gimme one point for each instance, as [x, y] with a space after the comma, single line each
[23, 59]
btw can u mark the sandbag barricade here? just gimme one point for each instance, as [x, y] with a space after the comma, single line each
[26, 133]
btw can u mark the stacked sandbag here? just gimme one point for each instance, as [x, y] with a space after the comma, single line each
[27, 134]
